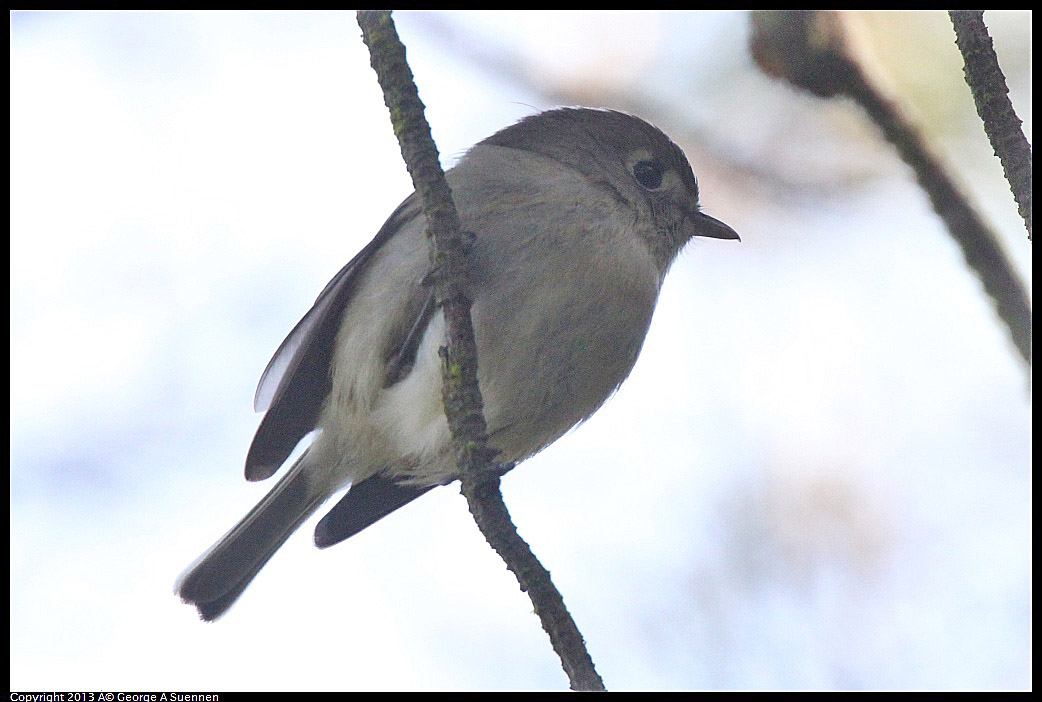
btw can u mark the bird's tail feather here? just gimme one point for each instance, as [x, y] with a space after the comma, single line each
[214, 582]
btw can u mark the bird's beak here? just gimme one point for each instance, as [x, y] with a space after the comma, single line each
[704, 225]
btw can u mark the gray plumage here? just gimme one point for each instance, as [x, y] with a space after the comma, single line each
[577, 216]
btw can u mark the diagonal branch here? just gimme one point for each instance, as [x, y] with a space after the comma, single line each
[479, 475]
[813, 50]
[991, 96]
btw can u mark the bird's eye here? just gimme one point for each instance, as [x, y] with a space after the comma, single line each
[648, 174]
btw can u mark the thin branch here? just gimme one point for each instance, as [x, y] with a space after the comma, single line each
[813, 50]
[991, 96]
[479, 475]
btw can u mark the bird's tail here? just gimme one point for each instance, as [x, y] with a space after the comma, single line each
[220, 575]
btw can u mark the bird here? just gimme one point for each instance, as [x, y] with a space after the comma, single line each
[574, 217]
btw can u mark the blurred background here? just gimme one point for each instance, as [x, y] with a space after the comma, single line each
[817, 476]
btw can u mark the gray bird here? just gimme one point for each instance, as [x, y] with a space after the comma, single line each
[577, 215]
